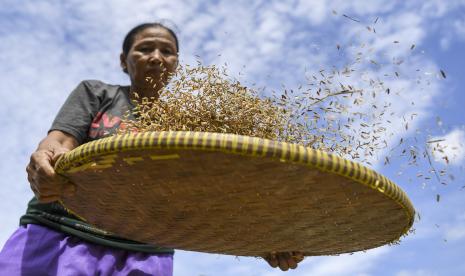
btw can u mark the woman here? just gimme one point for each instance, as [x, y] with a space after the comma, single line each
[51, 241]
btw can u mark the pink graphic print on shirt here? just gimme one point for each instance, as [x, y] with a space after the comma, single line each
[103, 125]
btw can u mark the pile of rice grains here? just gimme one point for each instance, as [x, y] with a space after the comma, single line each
[205, 98]
[324, 114]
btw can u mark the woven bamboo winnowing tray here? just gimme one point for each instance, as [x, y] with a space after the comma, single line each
[232, 194]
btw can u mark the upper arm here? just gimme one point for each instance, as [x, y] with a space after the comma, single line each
[76, 115]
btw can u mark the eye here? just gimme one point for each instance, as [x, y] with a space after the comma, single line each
[167, 51]
[145, 49]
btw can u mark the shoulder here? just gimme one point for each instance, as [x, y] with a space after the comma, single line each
[97, 84]
[101, 88]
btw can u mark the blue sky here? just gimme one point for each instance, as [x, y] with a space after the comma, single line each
[48, 47]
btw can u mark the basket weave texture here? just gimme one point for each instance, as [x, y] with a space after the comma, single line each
[232, 194]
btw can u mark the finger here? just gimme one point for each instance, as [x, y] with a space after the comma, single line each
[298, 256]
[282, 259]
[43, 193]
[46, 184]
[46, 191]
[272, 260]
[43, 186]
[58, 186]
[34, 190]
[50, 181]
[32, 175]
[45, 169]
[48, 198]
[30, 169]
[41, 163]
[30, 178]
[57, 154]
[291, 262]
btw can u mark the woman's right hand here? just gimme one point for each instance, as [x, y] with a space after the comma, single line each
[284, 260]
[46, 184]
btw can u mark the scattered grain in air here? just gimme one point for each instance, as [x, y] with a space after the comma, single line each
[351, 18]
[325, 117]
[443, 74]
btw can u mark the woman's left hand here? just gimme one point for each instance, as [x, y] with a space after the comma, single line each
[284, 260]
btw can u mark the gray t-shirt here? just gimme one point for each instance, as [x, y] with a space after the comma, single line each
[92, 111]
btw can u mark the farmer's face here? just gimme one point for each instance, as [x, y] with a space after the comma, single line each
[152, 55]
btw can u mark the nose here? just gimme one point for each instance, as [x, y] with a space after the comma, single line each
[156, 57]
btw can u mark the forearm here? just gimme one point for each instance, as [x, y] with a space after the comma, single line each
[57, 141]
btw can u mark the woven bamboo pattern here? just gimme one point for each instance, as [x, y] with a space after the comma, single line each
[232, 194]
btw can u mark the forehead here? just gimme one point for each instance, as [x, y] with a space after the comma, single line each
[154, 34]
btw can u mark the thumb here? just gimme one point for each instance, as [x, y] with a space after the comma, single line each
[57, 154]
[272, 259]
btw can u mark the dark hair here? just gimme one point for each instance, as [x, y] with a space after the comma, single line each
[129, 39]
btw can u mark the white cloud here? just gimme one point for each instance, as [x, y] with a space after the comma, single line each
[455, 32]
[445, 43]
[315, 11]
[461, 216]
[438, 8]
[405, 27]
[451, 147]
[455, 232]
[362, 263]
[435, 8]
[459, 28]
[357, 264]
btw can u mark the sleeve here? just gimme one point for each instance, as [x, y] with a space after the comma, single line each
[78, 111]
